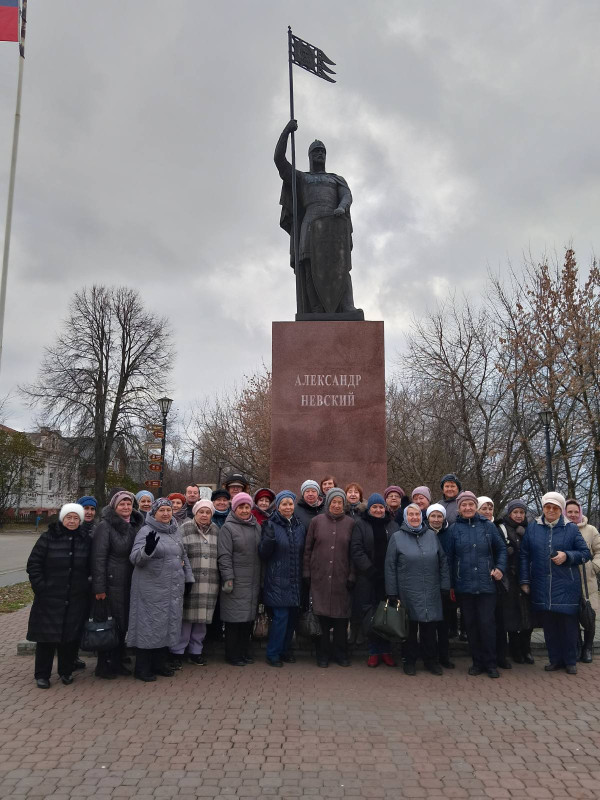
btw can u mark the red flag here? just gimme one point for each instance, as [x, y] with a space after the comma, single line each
[9, 20]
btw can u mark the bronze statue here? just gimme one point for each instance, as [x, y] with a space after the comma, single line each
[324, 285]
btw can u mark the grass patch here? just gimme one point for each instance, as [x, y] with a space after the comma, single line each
[12, 598]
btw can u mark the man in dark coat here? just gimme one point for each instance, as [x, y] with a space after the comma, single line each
[59, 572]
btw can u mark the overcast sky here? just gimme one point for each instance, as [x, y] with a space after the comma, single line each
[468, 133]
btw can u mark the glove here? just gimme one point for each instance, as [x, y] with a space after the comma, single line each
[350, 585]
[151, 541]
[188, 588]
[393, 599]
[227, 587]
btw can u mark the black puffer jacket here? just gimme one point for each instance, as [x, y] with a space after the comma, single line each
[111, 567]
[370, 578]
[59, 571]
[306, 513]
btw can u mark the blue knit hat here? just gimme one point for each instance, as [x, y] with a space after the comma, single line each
[375, 499]
[282, 495]
[87, 500]
[144, 493]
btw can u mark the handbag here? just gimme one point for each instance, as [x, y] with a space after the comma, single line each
[502, 586]
[586, 614]
[261, 624]
[100, 635]
[390, 622]
[308, 625]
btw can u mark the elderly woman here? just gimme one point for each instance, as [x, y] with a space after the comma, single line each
[551, 550]
[516, 607]
[574, 514]
[221, 500]
[477, 559]
[416, 572]
[239, 565]
[179, 507]
[111, 573]
[59, 572]
[161, 570]
[199, 537]
[436, 520]
[144, 499]
[355, 505]
[262, 502]
[485, 507]
[282, 548]
[450, 486]
[395, 500]
[329, 571]
[310, 503]
[421, 496]
[370, 536]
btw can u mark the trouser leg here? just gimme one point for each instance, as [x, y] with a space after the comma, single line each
[378, 646]
[184, 638]
[486, 623]
[159, 658]
[277, 633]
[410, 648]
[501, 644]
[293, 614]
[322, 643]
[443, 640]
[232, 641]
[44, 656]
[427, 636]
[196, 641]
[468, 616]
[246, 639]
[588, 641]
[143, 662]
[569, 634]
[450, 615]
[525, 641]
[67, 653]
[340, 639]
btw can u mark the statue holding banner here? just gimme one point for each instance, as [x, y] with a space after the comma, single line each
[324, 233]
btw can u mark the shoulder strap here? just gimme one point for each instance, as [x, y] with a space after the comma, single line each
[587, 595]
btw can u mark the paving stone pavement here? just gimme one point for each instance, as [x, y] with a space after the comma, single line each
[300, 731]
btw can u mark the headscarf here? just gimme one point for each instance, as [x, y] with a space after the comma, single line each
[413, 505]
[572, 502]
[159, 503]
[144, 493]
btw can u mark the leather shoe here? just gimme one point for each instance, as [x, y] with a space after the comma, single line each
[435, 669]
[342, 662]
[447, 664]
[108, 676]
[409, 668]
[504, 664]
[248, 660]
[79, 664]
[528, 659]
[67, 679]
[473, 670]
[517, 658]
[493, 673]
[272, 663]
[42, 683]
[198, 659]
[323, 664]
[586, 656]
[146, 678]
[288, 658]
[165, 672]
[240, 663]
[552, 667]
[571, 669]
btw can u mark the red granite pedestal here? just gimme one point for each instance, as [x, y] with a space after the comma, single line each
[328, 404]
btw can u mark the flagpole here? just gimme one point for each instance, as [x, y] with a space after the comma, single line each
[299, 293]
[11, 182]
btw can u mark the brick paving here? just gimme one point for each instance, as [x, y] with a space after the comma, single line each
[299, 731]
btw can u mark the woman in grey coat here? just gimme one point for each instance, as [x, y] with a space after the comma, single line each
[416, 572]
[239, 565]
[161, 572]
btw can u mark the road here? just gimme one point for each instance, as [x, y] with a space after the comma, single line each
[14, 552]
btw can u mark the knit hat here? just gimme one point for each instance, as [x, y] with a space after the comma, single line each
[71, 508]
[220, 493]
[556, 499]
[87, 500]
[309, 484]
[177, 496]
[203, 504]
[398, 489]
[159, 503]
[144, 493]
[436, 507]
[450, 477]
[483, 499]
[424, 490]
[515, 504]
[413, 505]
[239, 499]
[572, 502]
[332, 494]
[282, 495]
[122, 495]
[265, 492]
[466, 495]
[375, 499]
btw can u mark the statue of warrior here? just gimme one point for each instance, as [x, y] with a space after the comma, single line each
[325, 230]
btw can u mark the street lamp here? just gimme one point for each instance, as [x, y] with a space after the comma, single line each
[164, 403]
[545, 416]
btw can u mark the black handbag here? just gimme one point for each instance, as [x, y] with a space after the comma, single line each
[100, 635]
[586, 614]
[390, 622]
[308, 624]
[502, 586]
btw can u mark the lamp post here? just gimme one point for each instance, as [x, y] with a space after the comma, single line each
[546, 415]
[164, 404]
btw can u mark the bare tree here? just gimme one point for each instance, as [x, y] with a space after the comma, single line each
[101, 377]
[18, 460]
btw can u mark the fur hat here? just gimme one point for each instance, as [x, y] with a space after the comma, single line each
[71, 508]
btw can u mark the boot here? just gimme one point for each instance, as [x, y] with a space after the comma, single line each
[587, 650]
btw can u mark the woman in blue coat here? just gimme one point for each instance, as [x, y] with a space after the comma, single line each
[282, 547]
[551, 552]
[477, 558]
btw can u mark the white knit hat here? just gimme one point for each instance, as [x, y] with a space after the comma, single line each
[71, 508]
[483, 499]
[436, 507]
[556, 499]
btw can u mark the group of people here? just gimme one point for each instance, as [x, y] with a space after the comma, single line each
[168, 569]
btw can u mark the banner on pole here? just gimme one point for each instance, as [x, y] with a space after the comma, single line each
[310, 58]
[9, 20]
